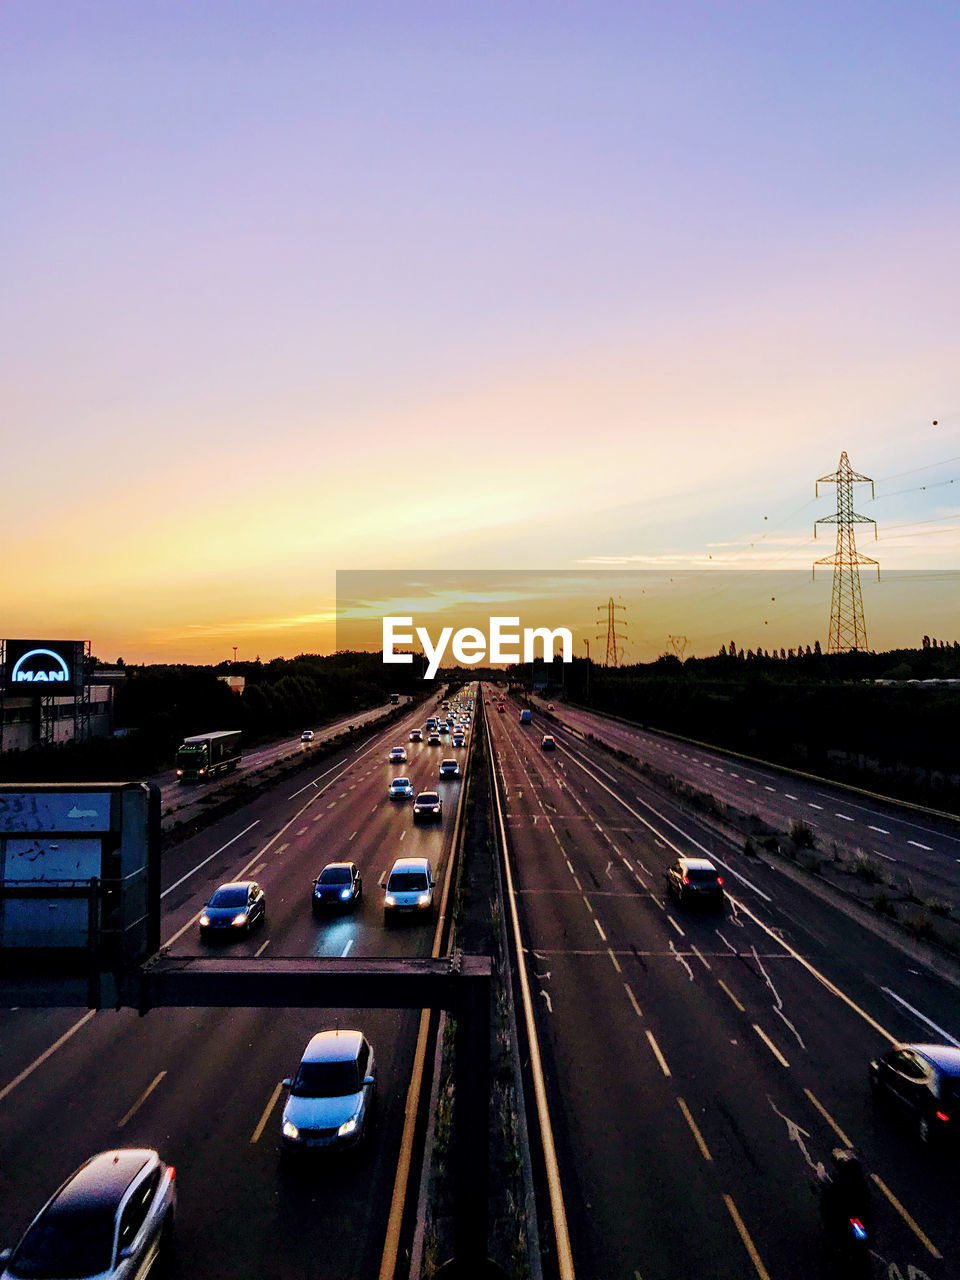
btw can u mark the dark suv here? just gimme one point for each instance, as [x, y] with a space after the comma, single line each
[695, 882]
[923, 1081]
[112, 1218]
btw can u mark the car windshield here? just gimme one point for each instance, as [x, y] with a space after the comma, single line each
[66, 1242]
[401, 782]
[232, 897]
[427, 797]
[325, 1080]
[407, 882]
[697, 875]
[335, 875]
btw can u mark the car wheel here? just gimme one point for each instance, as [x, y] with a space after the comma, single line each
[923, 1129]
[359, 893]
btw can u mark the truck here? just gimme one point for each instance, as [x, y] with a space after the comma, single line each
[206, 754]
[395, 698]
[525, 717]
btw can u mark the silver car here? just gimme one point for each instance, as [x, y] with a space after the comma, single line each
[112, 1219]
[332, 1094]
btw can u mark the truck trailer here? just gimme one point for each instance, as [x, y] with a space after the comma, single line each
[207, 754]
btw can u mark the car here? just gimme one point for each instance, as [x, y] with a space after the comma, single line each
[307, 735]
[331, 1097]
[923, 1082]
[458, 740]
[408, 889]
[235, 908]
[501, 708]
[551, 707]
[443, 727]
[434, 740]
[526, 717]
[548, 742]
[112, 1218]
[427, 806]
[416, 735]
[431, 723]
[449, 769]
[400, 789]
[397, 755]
[695, 881]
[339, 884]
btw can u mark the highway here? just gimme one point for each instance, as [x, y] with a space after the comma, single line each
[914, 844]
[202, 1086]
[698, 1068]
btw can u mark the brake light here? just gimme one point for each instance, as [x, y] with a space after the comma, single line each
[858, 1229]
[171, 1172]
[719, 879]
[942, 1115]
[686, 879]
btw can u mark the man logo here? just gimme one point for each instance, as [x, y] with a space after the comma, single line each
[40, 666]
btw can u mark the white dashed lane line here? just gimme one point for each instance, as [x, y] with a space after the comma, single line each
[917, 845]
[844, 816]
[883, 830]
[811, 805]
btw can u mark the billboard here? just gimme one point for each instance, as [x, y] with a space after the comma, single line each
[45, 667]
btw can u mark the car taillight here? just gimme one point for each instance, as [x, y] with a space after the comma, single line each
[171, 1171]
[719, 879]
[858, 1229]
[942, 1115]
[686, 879]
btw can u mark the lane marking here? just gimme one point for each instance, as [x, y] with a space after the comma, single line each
[790, 797]
[846, 817]
[303, 830]
[603, 936]
[255, 1136]
[633, 999]
[922, 1016]
[811, 805]
[616, 962]
[731, 995]
[659, 1056]
[704, 1150]
[703, 960]
[675, 925]
[9, 1088]
[745, 1237]
[921, 1236]
[770, 1045]
[178, 883]
[766, 788]
[257, 871]
[917, 845]
[142, 1099]
[829, 1119]
[352, 837]
[883, 830]
[260, 950]
[343, 953]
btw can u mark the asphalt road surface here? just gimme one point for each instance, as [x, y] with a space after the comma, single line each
[915, 844]
[699, 1068]
[201, 1086]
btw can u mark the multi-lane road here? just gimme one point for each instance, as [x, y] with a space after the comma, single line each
[202, 1086]
[697, 1068]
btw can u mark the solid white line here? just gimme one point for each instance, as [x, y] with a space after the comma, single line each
[206, 860]
[922, 1016]
[141, 1100]
[660, 1058]
[255, 1137]
[333, 768]
[9, 1088]
[770, 1045]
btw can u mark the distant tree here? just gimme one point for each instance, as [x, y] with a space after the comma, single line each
[783, 654]
[926, 642]
[120, 662]
[740, 655]
[791, 653]
[816, 648]
[808, 651]
[732, 649]
[749, 655]
[723, 651]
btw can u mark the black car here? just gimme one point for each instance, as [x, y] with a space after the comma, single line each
[338, 885]
[427, 807]
[234, 909]
[922, 1081]
[695, 882]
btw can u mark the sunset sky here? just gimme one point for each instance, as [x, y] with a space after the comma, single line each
[292, 288]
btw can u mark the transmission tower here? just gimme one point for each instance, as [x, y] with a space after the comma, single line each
[679, 645]
[848, 630]
[614, 652]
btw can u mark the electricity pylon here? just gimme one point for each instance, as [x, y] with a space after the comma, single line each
[679, 645]
[848, 630]
[614, 654]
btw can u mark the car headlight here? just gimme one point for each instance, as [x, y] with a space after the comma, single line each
[424, 900]
[240, 919]
[345, 893]
[389, 900]
[204, 921]
[290, 1130]
[348, 1127]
